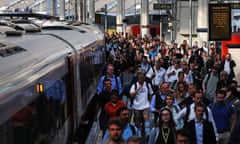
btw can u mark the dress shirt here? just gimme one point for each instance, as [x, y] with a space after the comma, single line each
[199, 131]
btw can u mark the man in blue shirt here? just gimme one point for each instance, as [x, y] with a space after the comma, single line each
[116, 82]
[129, 130]
[224, 117]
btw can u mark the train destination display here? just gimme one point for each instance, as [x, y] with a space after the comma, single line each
[219, 22]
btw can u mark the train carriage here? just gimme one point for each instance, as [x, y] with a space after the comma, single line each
[47, 83]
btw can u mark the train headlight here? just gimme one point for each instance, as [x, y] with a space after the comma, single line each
[39, 88]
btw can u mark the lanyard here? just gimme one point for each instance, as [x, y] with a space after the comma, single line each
[165, 135]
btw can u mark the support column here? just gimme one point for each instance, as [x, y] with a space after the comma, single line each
[54, 6]
[84, 10]
[78, 8]
[49, 7]
[91, 10]
[202, 21]
[62, 10]
[120, 15]
[144, 18]
[190, 23]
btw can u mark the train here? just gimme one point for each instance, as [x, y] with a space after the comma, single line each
[48, 80]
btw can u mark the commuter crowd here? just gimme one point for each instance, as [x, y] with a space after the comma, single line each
[154, 92]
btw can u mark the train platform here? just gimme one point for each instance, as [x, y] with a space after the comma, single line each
[95, 134]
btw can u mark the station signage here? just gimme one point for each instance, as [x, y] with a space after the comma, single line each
[158, 6]
[219, 22]
[235, 5]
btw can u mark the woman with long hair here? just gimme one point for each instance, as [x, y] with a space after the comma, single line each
[164, 132]
[180, 94]
[169, 100]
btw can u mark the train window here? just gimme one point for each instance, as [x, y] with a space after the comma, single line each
[40, 121]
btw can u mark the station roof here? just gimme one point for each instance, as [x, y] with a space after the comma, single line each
[131, 6]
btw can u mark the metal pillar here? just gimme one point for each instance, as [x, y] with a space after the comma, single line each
[190, 23]
[84, 5]
[62, 10]
[202, 19]
[106, 27]
[91, 17]
[78, 9]
[144, 18]
[49, 7]
[120, 15]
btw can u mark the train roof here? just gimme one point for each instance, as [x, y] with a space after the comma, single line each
[26, 15]
[23, 55]
[29, 51]
[79, 36]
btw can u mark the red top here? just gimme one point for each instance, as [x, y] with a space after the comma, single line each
[111, 108]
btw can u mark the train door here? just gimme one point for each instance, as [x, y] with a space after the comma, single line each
[71, 107]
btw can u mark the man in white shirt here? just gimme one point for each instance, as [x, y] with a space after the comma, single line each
[158, 75]
[141, 92]
[172, 72]
[204, 47]
[146, 67]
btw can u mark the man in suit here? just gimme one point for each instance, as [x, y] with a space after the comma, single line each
[201, 131]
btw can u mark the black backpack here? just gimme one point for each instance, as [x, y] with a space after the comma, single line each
[159, 102]
[133, 129]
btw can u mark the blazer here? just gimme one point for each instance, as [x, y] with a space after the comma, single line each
[232, 65]
[208, 132]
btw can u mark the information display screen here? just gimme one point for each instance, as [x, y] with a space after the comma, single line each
[219, 22]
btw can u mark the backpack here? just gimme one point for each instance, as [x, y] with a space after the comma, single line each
[226, 106]
[208, 77]
[176, 109]
[159, 103]
[150, 66]
[126, 87]
[133, 129]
